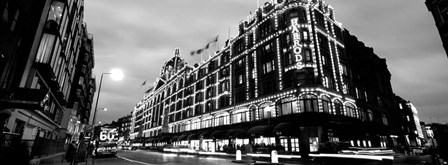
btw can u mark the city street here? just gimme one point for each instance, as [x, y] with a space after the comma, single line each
[149, 158]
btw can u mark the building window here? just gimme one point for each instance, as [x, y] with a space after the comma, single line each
[240, 79]
[350, 110]
[268, 67]
[239, 46]
[305, 35]
[288, 59]
[240, 117]
[384, 118]
[326, 104]
[45, 48]
[300, 13]
[224, 86]
[240, 64]
[224, 101]
[308, 103]
[294, 144]
[344, 70]
[5, 12]
[370, 115]
[319, 19]
[308, 57]
[265, 29]
[366, 97]
[284, 143]
[380, 101]
[287, 106]
[323, 42]
[14, 21]
[56, 11]
[338, 107]
[314, 144]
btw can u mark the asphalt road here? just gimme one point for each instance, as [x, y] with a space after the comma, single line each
[153, 158]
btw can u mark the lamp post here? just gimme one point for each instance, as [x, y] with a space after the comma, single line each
[270, 134]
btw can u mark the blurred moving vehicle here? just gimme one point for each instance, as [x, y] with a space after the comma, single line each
[107, 144]
[106, 149]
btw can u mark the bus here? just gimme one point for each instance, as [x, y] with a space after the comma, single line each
[107, 144]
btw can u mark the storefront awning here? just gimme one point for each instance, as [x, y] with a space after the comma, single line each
[258, 130]
[174, 138]
[286, 128]
[148, 140]
[193, 136]
[218, 135]
[182, 137]
[164, 139]
[206, 135]
[236, 133]
[154, 140]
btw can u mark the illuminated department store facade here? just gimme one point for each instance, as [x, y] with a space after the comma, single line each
[282, 80]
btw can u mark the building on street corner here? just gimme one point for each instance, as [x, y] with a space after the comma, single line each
[42, 49]
[293, 79]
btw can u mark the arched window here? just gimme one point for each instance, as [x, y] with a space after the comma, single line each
[326, 105]
[266, 110]
[253, 113]
[350, 110]
[362, 114]
[338, 107]
[198, 110]
[224, 101]
[210, 106]
[181, 83]
[199, 97]
[179, 105]
[174, 88]
[308, 103]
[286, 106]
[369, 115]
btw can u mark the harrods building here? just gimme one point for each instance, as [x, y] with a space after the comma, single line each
[286, 80]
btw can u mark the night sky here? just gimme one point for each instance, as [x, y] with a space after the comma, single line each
[138, 36]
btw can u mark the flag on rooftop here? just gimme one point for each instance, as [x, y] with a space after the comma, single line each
[207, 46]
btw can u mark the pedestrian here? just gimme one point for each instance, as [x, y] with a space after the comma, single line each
[70, 154]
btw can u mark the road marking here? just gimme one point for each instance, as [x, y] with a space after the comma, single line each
[135, 161]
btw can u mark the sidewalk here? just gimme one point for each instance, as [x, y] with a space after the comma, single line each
[53, 159]
[49, 159]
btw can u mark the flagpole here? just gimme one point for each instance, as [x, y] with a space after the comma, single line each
[228, 34]
[217, 46]
[202, 61]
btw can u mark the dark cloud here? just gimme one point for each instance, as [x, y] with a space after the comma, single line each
[139, 36]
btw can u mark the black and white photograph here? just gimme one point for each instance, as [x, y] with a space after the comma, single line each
[223, 82]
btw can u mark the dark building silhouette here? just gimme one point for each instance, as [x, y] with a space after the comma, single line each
[83, 88]
[407, 123]
[439, 10]
[124, 127]
[292, 78]
[437, 135]
[40, 46]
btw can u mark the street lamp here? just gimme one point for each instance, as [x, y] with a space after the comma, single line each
[115, 74]
[268, 109]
